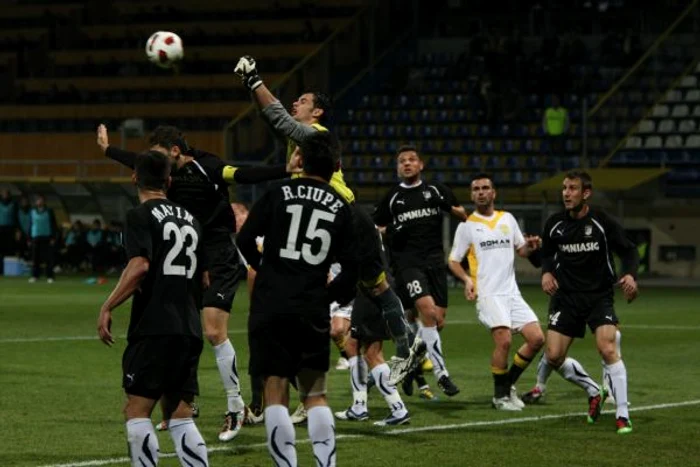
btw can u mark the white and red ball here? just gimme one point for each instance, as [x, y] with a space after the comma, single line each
[164, 49]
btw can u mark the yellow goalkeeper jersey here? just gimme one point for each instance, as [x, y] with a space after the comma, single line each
[337, 180]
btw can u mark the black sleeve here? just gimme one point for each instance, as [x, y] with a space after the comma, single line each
[247, 175]
[535, 258]
[623, 246]
[382, 214]
[548, 249]
[126, 158]
[253, 227]
[448, 198]
[137, 236]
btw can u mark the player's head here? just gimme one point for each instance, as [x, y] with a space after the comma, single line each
[152, 171]
[320, 154]
[409, 164]
[576, 190]
[483, 191]
[170, 141]
[312, 107]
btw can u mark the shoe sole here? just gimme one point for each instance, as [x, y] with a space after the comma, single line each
[362, 418]
[226, 437]
[405, 421]
[624, 431]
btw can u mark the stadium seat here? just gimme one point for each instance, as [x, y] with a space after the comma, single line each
[653, 142]
[666, 126]
[633, 142]
[646, 126]
[673, 142]
[687, 126]
[673, 96]
[696, 111]
[692, 95]
[680, 111]
[693, 141]
[690, 81]
[660, 111]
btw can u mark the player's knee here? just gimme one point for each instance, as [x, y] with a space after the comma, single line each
[502, 338]
[608, 353]
[536, 342]
[555, 359]
[215, 336]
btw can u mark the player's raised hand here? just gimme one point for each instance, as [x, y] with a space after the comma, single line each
[469, 290]
[104, 327]
[549, 283]
[102, 138]
[629, 287]
[247, 70]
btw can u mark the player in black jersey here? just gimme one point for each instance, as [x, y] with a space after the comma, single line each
[412, 213]
[200, 183]
[578, 273]
[307, 226]
[165, 275]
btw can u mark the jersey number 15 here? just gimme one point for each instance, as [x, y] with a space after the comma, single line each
[313, 231]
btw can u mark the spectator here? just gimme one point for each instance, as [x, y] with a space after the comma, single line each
[8, 227]
[95, 243]
[113, 247]
[43, 233]
[24, 222]
[555, 124]
[74, 246]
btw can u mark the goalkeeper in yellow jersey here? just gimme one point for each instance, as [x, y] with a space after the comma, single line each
[309, 112]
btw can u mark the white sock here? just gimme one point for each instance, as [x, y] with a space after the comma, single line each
[572, 371]
[142, 441]
[281, 438]
[544, 369]
[431, 336]
[358, 382]
[189, 444]
[618, 348]
[322, 435]
[226, 361]
[617, 380]
[391, 395]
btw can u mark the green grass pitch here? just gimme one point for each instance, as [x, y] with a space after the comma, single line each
[61, 397]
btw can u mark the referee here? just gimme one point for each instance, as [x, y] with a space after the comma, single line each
[578, 274]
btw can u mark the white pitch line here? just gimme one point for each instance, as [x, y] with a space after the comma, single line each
[398, 431]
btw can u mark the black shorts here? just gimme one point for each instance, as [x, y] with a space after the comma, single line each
[570, 312]
[153, 366]
[367, 323]
[225, 273]
[414, 283]
[281, 344]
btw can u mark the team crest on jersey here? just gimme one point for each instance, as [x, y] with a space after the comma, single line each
[504, 229]
[588, 230]
[427, 195]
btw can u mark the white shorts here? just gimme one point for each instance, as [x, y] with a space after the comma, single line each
[508, 311]
[341, 311]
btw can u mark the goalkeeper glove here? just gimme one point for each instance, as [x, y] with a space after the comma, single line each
[248, 72]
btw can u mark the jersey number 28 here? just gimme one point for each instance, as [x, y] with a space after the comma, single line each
[186, 237]
[313, 231]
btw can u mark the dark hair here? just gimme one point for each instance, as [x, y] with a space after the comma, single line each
[406, 148]
[320, 153]
[152, 170]
[324, 102]
[482, 175]
[586, 180]
[168, 136]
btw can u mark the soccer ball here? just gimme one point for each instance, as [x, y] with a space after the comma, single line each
[164, 49]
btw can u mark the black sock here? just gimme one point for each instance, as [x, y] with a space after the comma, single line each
[392, 310]
[420, 379]
[501, 382]
[519, 365]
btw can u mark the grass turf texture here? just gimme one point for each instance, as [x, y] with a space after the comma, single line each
[61, 396]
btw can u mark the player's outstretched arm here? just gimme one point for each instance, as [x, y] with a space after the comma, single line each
[126, 158]
[129, 282]
[272, 110]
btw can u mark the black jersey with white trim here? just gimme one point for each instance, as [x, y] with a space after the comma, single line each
[579, 252]
[413, 216]
[168, 300]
